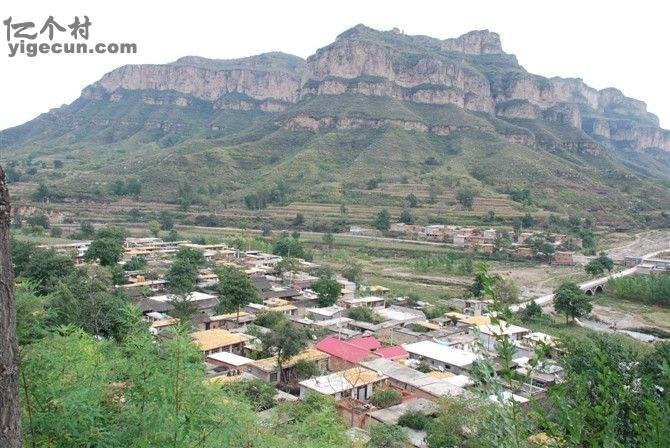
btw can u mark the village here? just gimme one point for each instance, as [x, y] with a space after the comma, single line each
[379, 356]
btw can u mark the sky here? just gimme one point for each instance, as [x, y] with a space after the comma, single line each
[612, 43]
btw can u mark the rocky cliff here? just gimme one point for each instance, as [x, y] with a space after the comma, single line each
[471, 71]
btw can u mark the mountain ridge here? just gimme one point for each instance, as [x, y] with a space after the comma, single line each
[442, 98]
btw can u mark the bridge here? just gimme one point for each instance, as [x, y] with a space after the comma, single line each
[590, 287]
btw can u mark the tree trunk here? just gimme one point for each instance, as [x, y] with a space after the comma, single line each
[10, 413]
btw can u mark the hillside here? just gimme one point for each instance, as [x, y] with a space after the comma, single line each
[399, 109]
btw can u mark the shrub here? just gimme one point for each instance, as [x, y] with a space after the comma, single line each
[414, 420]
[383, 398]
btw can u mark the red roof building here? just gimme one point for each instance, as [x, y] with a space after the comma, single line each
[367, 342]
[392, 352]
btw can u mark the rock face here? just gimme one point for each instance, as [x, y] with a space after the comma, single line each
[471, 71]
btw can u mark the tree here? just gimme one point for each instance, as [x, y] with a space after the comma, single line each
[235, 288]
[466, 197]
[411, 200]
[182, 308]
[154, 228]
[527, 221]
[137, 263]
[328, 291]
[86, 229]
[86, 299]
[328, 239]
[406, 217]
[58, 164]
[41, 193]
[286, 341]
[306, 369]
[46, 268]
[299, 220]
[383, 220]
[107, 250]
[166, 220]
[353, 272]
[599, 265]
[571, 301]
[190, 255]
[364, 314]
[289, 247]
[10, 411]
[182, 276]
[531, 311]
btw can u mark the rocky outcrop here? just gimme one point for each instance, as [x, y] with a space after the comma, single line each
[471, 71]
[203, 83]
[475, 42]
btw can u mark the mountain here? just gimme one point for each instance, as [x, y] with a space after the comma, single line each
[371, 105]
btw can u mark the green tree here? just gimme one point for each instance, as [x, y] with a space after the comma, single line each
[46, 268]
[107, 250]
[364, 314]
[182, 308]
[328, 291]
[182, 276]
[137, 263]
[353, 272]
[166, 220]
[466, 197]
[571, 301]
[289, 247]
[286, 341]
[154, 228]
[235, 289]
[406, 217]
[328, 239]
[192, 256]
[383, 220]
[411, 200]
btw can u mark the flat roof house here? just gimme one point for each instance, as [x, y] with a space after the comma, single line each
[441, 357]
[413, 381]
[219, 340]
[357, 382]
[370, 302]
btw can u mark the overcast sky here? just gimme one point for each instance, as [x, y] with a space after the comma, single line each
[607, 43]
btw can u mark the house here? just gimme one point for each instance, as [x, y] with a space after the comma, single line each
[441, 357]
[325, 313]
[460, 240]
[229, 361]
[490, 234]
[219, 340]
[369, 301]
[378, 289]
[357, 383]
[268, 370]
[411, 380]
[401, 314]
[489, 333]
[564, 257]
[227, 321]
[343, 354]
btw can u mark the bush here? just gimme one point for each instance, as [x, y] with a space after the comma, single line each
[364, 314]
[414, 420]
[383, 398]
